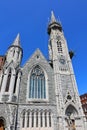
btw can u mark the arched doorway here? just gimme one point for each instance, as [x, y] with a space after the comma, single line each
[71, 112]
[2, 124]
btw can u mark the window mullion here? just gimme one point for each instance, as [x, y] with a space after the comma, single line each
[34, 87]
[31, 87]
[39, 119]
[40, 88]
[37, 86]
[44, 88]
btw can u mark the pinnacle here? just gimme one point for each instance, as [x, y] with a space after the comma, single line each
[17, 40]
[53, 19]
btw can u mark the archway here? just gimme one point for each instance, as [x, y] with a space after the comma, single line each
[2, 124]
[71, 112]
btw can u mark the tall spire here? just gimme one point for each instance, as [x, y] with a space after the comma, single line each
[54, 23]
[53, 19]
[17, 41]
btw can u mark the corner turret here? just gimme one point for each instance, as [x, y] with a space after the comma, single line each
[15, 52]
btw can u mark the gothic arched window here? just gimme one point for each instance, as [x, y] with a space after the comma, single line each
[37, 119]
[45, 114]
[23, 119]
[50, 119]
[37, 88]
[15, 83]
[28, 118]
[8, 81]
[1, 82]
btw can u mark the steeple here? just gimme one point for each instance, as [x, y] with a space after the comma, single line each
[17, 41]
[54, 23]
[15, 52]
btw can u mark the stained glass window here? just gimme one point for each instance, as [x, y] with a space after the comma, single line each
[37, 89]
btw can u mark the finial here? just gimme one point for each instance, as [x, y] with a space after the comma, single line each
[17, 40]
[53, 19]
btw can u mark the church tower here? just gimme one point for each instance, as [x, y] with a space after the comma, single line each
[69, 110]
[11, 72]
[14, 53]
[41, 95]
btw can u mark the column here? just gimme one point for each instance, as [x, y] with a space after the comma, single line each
[30, 123]
[52, 121]
[18, 84]
[11, 86]
[34, 119]
[26, 120]
[4, 83]
[48, 119]
[39, 120]
[19, 56]
[60, 124]
[43, 119]
[21, 121]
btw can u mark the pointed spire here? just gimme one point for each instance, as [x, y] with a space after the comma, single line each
[17, 41]
[54, 23]
[53, 19]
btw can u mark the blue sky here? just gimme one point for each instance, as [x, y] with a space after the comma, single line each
[30, 19]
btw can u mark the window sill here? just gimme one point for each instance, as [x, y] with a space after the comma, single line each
[37, 100]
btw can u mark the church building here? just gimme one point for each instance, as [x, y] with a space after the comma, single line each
[43, 94]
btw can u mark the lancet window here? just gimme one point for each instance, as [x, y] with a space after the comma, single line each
[1, 82]
[8, 81]
[15, 83]
[23, 119]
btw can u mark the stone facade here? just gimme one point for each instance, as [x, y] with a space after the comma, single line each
[41, 95]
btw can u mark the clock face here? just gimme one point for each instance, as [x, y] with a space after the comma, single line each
[62, 61]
